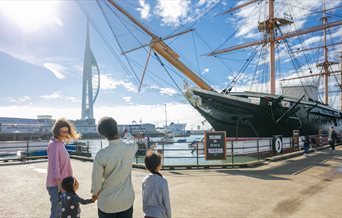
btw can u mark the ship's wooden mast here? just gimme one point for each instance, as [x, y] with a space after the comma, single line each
[340, 85]
[165, 51]
[278, 38]
[238, 7]
[326, 63]
[272, 45]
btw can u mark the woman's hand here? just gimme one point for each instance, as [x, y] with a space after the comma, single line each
[59, 184]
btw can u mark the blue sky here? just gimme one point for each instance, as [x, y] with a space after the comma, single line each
[42, 48]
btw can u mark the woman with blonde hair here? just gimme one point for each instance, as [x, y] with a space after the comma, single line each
[59, 165]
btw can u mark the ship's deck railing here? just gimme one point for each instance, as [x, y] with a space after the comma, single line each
[238, 152]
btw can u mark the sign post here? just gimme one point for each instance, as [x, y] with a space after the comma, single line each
[320, 137]
[215, 145]
[295, 140]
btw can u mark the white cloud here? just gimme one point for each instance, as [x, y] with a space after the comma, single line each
[18, 100]
[58, 95]
[20, 55]
[54, 95]
[163, 90]
[144, 10]
[308, 42]
[247, 20]
[73, 99]
[168, 91]
[56, 69]
[37, 60]
[107, 82]
[205, 70]
[202, 2]
[331, 4]
[127, 98]
[175, 12]
[172, 12]
[57, 20]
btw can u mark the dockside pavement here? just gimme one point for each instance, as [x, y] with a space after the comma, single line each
[296, 187]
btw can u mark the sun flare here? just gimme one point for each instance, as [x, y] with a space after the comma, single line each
[29, 15]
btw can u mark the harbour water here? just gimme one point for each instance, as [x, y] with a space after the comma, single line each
[173, 153]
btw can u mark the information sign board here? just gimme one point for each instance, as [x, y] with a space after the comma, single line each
[215, 145]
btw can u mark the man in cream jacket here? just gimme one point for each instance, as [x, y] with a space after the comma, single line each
[111, 176]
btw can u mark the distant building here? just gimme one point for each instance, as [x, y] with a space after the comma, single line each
[44, 117]
[144, 128]
[24, 125]
[40, 128]
[176, 128]
[86, 126]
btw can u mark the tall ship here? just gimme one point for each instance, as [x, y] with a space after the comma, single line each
[293, 102]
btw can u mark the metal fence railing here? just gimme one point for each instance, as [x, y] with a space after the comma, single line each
[181, 154]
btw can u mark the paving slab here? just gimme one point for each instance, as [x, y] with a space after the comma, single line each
[297, 187]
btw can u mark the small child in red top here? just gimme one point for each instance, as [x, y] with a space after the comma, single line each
[70, 200]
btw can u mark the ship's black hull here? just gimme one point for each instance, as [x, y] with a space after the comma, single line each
[262, 115]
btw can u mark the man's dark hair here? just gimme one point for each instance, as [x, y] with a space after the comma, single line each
[108, 128]
[68, 184]
[152, 161]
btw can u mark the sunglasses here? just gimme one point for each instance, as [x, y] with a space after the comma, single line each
[64, 131]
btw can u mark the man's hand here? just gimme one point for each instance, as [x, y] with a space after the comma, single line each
[94, 197]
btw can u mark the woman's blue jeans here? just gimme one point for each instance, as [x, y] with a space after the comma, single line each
[56, 209]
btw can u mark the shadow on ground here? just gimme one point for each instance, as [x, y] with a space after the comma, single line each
[290, 167]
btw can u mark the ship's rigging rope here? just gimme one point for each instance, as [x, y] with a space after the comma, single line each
[98, 30]
[160, 78]
[163, 65]
[278, 69]
[195, 47]
[299, 37]
[127, 58]
[103, 12]
[256, 69]
[200, 15]
[246, 62]
[196, 18]
[206, 44]
[308, 7]
[293, 61]
[204, 77]
[241, 71]
[266, 66]
[108, 44]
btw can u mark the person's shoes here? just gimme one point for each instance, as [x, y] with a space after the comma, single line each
[305, 154]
